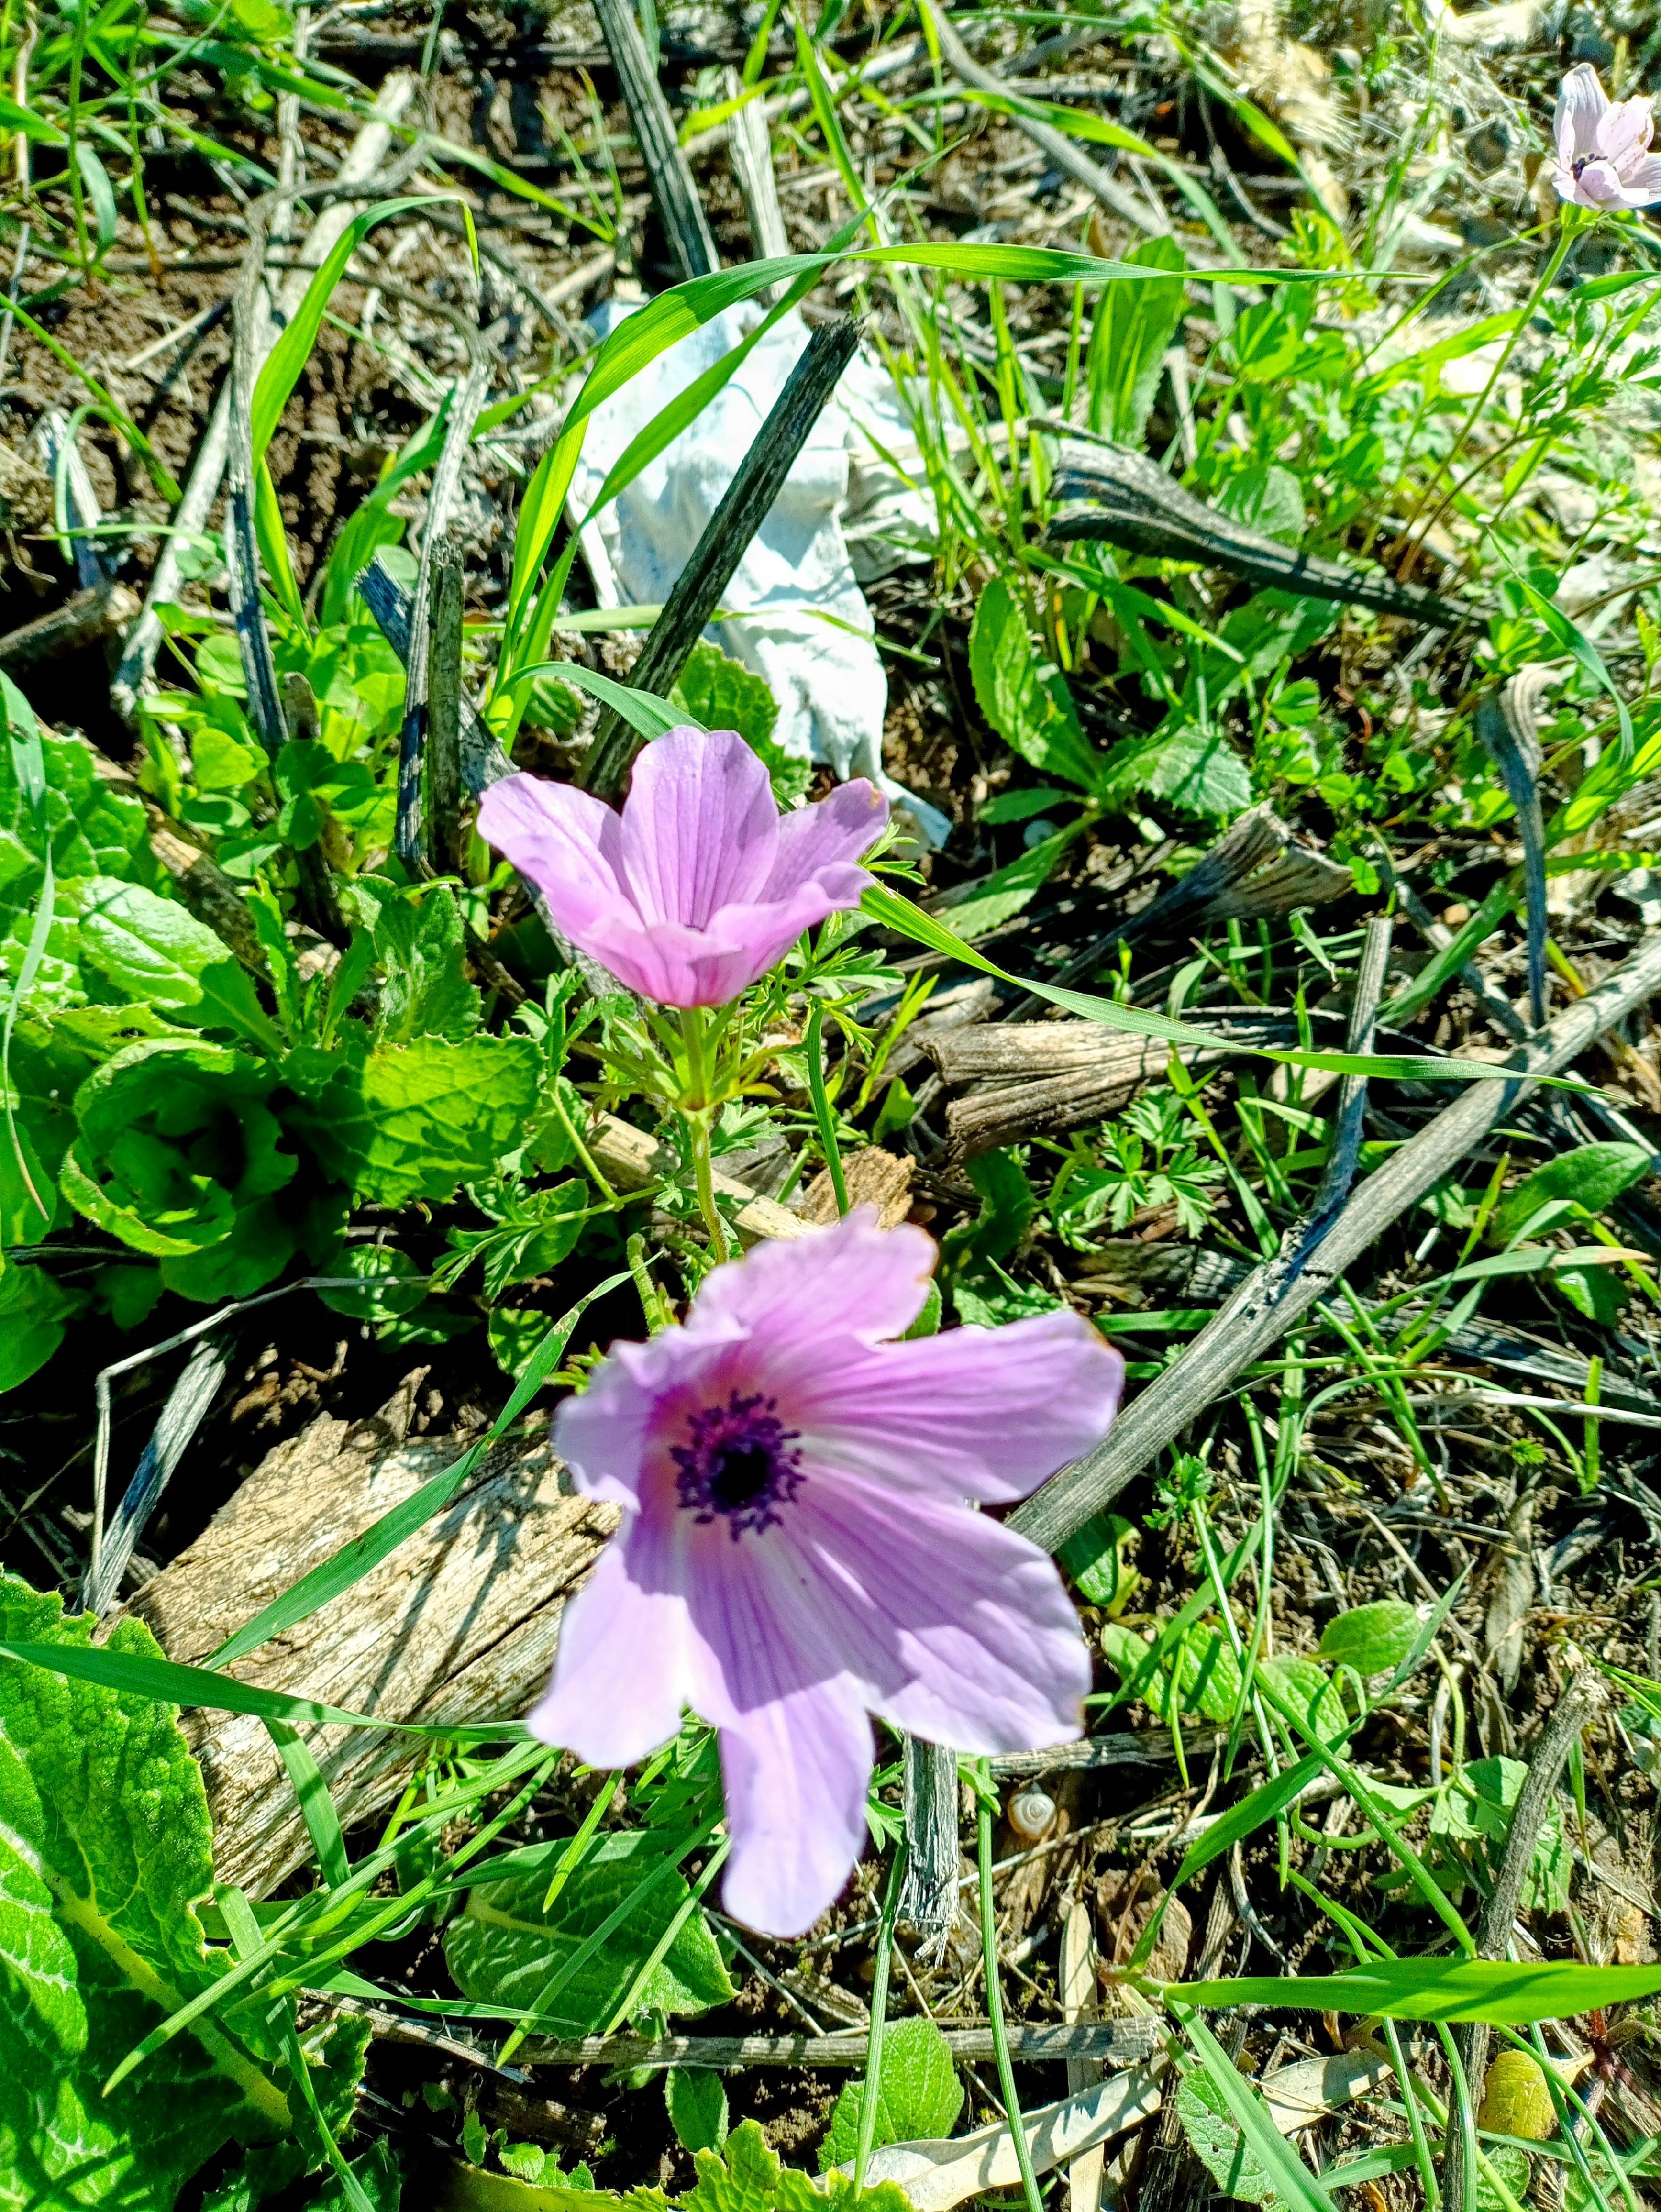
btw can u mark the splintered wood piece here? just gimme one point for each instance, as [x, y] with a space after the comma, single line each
[875, 1177]
[459, 1623]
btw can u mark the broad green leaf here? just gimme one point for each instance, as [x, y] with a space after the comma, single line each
[1371, 1638]
[1197, 769]
[413, 1120]
[157, 951]
[105, 1854]
[1134, 327]
[696, 2099]
[1591, 1177]
[505, 1949]
[35, 1311]
[1288, 2179]
[178, 1151]
[1200, 1675]
[416, 930]
[1095, 1555]
[1267, 499]
[1217, 2141]
[95, 829]
[1309, 1692]
[919, 2099]
[643, 710]
[748, 2177]
[718, 692]
[1008, 1202]
[1008, 889]
[1504, 1994]
[1028, 703]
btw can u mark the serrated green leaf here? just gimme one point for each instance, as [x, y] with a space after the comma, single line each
[94, 828]
[417, 933]
[751, 2177]
[1311, 1692]
[1133, 329]
[105, 1853]
[413, 1120]
[157, 951]
[1028, 705]
[919, 2099]
[1195, 768]
[1215, 2137]
[1371, 1638]
[505, 1949]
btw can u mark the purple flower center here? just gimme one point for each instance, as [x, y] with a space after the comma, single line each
[739, 1463]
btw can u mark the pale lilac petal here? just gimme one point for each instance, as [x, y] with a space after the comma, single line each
[852, 1279]
[1600, 185]
[563, 840]
[956, 1628]
[827, 836]
[1581, 105]
[1641, 182]
[795, 1772]
[701, 827]
[977, 1413]
[622, 1672]
[1624, 131]
[610, 1435]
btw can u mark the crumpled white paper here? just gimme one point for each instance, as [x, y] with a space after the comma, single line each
[847, 513]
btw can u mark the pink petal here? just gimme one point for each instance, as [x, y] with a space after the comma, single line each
[1624, 130]
[699, 828]
[978, 1412]
[852, 1279]
[825, 837]
[1600, 187]
[673, 965]
[1581, 104]
[1641, 182]
[957, 1628]
[796, 1772]
[564, 840]
[622, 1672]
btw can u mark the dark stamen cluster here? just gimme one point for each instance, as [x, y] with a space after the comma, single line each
[739, 1463]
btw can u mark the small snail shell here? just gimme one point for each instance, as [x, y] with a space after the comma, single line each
[1031, 1815]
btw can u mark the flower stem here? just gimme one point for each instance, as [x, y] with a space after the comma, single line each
[891, 1906]
[697, 1108]
[1011, 2103]
[821, 1113]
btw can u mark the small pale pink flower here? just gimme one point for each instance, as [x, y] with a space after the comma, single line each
[796, 1551]
[1603, 159]
[700, 884]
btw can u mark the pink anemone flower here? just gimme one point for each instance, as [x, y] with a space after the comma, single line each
[797, 1552]
[1603, 159]
[700, 884]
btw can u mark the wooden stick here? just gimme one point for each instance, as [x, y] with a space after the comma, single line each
[1274, 1295]
[1121, 2043]
[444, 711]
[667, 168]
[745, 507]
[98, 612]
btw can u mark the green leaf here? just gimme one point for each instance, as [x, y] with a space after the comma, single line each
[721, 694]
[751, 2177]
[1009, 888]
[1309, 1692]
[1504, 1994]
[696, 2097]
[505, 1948]
[1095, 1557]
[919, 2099]
[1195, 768]
[413, 1120]
[1371, 1638]
[154, 950]
[985, 1297]
[34, 1313]
[1219, 2143]
[178, 1150]
[1269, 499]
[94, 828]
[643, 710]
[1199, 1676]
[1286, 2177]
[1587, 1180]
[417, 938]
[105, 1854]
[1132, 331]
[1026, 703]
[1265, 1803]
[1008, 1203]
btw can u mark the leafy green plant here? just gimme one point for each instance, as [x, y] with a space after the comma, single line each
[1150, 1159]
[920, 2098]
